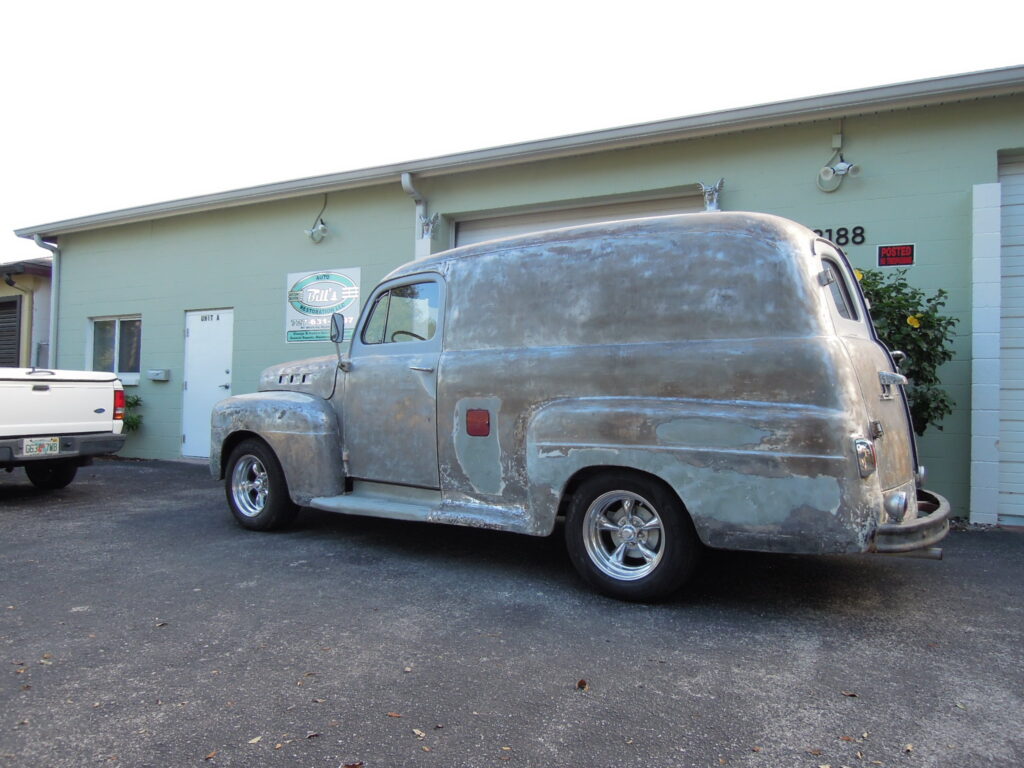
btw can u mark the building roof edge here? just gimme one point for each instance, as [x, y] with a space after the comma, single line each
[918, 93]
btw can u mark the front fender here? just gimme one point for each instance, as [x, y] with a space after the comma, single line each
[303, 431]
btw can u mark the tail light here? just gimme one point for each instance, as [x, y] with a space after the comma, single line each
[896, 506]
[118, 405]
[866, 460]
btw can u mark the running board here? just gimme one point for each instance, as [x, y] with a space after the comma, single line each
[400, 502]
[397, 502]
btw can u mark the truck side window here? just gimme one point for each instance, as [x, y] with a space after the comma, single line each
[373, 333]
[840, 291]
[405, 313]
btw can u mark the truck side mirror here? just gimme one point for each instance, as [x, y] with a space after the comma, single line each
[338, 336]
[337, 327]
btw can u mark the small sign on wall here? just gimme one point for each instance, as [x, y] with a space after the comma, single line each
[896, 255]
[312, 297]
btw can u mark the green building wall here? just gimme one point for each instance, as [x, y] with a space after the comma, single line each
[918, 169]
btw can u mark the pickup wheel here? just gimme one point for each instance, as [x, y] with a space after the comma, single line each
[630, 537]
[51, 475]
[256, 488]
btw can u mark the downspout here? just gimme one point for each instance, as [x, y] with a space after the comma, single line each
[424, 227]
[54, 298]
[421, 204]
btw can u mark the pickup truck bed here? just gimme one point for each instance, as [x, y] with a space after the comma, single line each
[53, 421]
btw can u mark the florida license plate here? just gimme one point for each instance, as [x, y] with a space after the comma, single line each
[40, 446]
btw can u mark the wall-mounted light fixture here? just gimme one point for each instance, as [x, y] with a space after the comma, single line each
[318, 231]
[831, 175]
[8, 273]
[711, 193]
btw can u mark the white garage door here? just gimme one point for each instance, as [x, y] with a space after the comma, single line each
[478, 230]
[1011, 385]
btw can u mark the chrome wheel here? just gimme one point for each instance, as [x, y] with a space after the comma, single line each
[624, 535]
[250, 486]
[256, 487]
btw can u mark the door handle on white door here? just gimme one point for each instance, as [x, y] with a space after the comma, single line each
[224, 386]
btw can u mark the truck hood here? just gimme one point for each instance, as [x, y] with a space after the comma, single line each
[314, 376]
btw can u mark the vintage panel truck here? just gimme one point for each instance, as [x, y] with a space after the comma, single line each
[664, 384]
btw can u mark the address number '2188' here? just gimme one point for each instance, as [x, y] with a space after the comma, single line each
[844, 235]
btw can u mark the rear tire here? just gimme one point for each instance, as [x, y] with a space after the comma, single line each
[51, 475]
[630, 537]
[256, 488]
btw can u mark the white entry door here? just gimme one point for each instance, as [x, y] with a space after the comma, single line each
[208, 341]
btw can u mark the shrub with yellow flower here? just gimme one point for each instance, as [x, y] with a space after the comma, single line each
[911, 321]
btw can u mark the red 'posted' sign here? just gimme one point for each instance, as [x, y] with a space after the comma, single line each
[895, 255]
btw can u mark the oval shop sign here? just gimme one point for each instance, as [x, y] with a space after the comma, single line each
[323, 293]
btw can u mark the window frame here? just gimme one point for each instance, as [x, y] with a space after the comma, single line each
[832, 258]
[838, 285]
[360, 347]
[128, 378]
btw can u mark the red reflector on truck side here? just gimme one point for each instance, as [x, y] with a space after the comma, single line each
[478, 422]
[118, 405]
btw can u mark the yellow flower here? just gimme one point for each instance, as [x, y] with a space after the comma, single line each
[858, 274]
[913, 322]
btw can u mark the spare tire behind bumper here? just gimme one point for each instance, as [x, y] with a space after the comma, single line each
[917, 533]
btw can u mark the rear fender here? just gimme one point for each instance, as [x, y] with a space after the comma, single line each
[303, 431]
[760, 476]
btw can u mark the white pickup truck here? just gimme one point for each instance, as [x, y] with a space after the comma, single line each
[53, 422]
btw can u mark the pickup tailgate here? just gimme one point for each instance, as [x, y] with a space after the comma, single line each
[44, 402]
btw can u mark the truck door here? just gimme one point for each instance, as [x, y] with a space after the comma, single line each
[389, 416]
[888, 417]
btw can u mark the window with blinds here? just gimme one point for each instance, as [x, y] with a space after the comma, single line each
[10, 332]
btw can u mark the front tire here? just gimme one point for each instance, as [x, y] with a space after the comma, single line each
[630, 537]
[51, 475]
[256, 488]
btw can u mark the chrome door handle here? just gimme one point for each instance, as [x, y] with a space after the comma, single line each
[421, 368]
[888, 380]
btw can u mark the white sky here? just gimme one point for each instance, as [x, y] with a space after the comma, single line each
[108, 105]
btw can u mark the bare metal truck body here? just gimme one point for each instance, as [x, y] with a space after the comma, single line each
[53, 421]
[663, 383]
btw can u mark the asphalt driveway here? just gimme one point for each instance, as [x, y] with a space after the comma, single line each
[140, 626]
